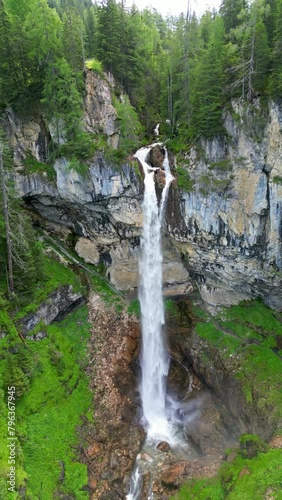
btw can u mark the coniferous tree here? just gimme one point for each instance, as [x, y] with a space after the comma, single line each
[276, 58]
[109, 37]
[73, 39]
[21, 253]
[90, 24]
[230, 11]
[62, 99]
[44, 29]
[207, 88]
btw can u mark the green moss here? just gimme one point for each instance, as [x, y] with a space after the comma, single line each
[244, 338]
[251, 445]
[277, 179]
[203, 489]
[256, 314]
[49, 412]
[55, 275]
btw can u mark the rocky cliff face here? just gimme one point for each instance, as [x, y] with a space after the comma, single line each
[102, 208]
[229, 227]
[227, 230]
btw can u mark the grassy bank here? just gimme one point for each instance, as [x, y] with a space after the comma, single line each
[248, 339]
[53, 395]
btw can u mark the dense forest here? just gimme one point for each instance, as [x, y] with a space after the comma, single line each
[182, 70]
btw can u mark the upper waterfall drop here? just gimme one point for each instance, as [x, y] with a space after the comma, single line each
[154, 357]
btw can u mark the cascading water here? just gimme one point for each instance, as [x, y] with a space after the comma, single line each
[160, 411]
[154, 357]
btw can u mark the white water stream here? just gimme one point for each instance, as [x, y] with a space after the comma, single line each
[154, 357]
[161, 412]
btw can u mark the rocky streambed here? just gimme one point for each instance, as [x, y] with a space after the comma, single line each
[215, 401]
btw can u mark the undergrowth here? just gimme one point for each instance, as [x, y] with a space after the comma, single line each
[48, 410]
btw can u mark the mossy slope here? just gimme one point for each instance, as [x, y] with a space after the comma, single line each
[52, 394]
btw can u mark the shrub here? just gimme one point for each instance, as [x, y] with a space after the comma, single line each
[95, 65]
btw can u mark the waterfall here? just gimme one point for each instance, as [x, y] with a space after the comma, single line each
[154, 357]
[135, 485]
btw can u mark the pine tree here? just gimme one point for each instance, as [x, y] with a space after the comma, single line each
[109, 37]
[73, 39]
[90, 25]
[230, 12]
[276, 58]
[22, 262]
[44, 29]
[62, 99]
[14, 376]
[207, 90]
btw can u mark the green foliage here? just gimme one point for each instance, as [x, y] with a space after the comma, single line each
[7, 326]
[221, 165]
[134, 308]
[21, 247]
[182, 69]
[81, 147]
[53, 276]
[62, 99]
[250, 334]
[95, 66]
[129, 126]
[277, 179]
[251, 445]
[242, 479]
[171, 308]
[53, 397]
[203, 489]
[178, 144]
[275, 83]
[73, 34]
[206, 86]
[80, 168]
[208, 183]
[183, 180]
[32, 166]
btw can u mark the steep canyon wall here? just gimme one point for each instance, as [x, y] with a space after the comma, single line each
[223, 235]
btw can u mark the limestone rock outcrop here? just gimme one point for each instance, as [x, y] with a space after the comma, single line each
[59, 303]
[229, 227]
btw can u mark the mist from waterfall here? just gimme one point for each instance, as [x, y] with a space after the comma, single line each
[154, 357]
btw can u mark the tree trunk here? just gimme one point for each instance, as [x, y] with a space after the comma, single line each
[7, 225]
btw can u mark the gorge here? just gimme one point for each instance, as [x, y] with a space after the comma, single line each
[221, 246]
